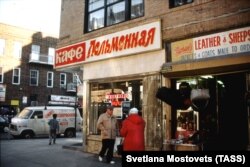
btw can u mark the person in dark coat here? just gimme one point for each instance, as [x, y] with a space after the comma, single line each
[54, 129]
[133, 132]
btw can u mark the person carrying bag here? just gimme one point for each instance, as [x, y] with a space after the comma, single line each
[120, 147]
[133, 132]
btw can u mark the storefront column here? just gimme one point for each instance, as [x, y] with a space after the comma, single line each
[248, 110]
[166, 112]
[152, 113]
[136, 94]
[84, 114]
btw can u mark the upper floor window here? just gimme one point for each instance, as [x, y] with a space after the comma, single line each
[63, 80]
[103, 13]
[16, 76]
[17, 49]
[176, 3]
[1, 74]
[51, 55]
[35, 49]
[50, 78]
[2, 47]
[34, 75]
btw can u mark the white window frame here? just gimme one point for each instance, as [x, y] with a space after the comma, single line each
[17, 49]
[51, 55]
[50, 79]
[51, 51]
[177, 3]
[63, 83]
[2, 46]
[104, 13]
[35, 49]
[36, 77]
[1, 74]
[18, 75]
[74, 77]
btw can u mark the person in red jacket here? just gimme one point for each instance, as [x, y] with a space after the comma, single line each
[133, 132]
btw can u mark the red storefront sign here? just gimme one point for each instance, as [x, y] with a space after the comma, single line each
[130, 41]
[72, 54]
[116, 96]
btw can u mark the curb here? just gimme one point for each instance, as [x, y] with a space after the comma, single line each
[75, 147]
[72, 148]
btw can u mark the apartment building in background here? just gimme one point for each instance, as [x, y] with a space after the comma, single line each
[27, 75]
[197, 51]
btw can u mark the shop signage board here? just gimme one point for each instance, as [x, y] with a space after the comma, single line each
[73, 54]
[116, 96]
[62, 100]
[116, 99]
[220, 44]
[14, 102]
[127, 42]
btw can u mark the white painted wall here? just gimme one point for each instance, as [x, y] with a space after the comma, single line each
[123, 66]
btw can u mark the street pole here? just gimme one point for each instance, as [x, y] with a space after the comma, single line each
[75, 109]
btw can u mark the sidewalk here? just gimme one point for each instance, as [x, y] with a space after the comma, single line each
[94, 157]
[71, 144]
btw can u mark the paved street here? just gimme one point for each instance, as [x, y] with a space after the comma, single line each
[37, 153]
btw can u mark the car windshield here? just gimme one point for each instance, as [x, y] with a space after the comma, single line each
[25, 114]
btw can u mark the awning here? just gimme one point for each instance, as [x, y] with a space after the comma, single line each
[216, 65]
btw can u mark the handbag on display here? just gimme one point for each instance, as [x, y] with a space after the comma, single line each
[199, 98]
[199, 94]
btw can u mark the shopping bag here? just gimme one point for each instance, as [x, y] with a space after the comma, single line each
[120, 147]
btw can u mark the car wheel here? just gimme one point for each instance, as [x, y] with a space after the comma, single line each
[28, 135]
[70, 133]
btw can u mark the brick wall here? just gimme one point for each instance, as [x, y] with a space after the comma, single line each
[199, 17]
[196, 19]
[7, 61]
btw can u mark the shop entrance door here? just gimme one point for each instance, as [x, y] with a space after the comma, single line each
[232, 112]
[223, 123]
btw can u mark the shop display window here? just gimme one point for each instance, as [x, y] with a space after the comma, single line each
[191, 121]
[121, 95]
[187, 123]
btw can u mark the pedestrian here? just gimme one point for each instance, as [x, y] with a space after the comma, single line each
[133, 132]
[53, 129]
[107, 123]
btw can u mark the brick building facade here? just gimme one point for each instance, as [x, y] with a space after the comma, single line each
[26, 66]
[191, 47]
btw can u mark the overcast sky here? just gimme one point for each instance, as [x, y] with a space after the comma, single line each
[38, 15]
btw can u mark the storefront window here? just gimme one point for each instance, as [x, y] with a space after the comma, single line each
[187, 123]
[201, 114]
[206, 108]
[122, 95]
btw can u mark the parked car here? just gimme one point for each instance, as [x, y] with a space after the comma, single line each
[3, 123]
